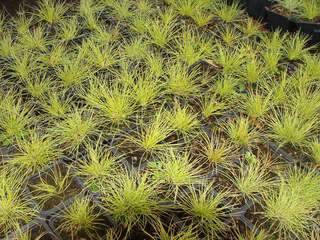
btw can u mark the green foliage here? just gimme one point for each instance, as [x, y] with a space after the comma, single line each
[309, 10]
[192, 47]
[122, 9]
[251, 28]
[311, 67]
[290, 5]
[182, 82]
[54, 57]
[37, 85]
[279, 90]
[241, 133]
[147, 90]
[162, 32]
[15, 118]
[256, 105]
[314, 149]
[98, 165]
[254, 71]
[303, 9]
[176, 169]
[89, 10]
[2, 22]
[23, 65]
[35, 152]
[100, 56]
[23, 23]
[225, 86]
[53, 184]
[305, 103]
[183, 120]
[35, 39]
[139, 24]
[144, 7]
[229, 59]
[229, 35]
[136, 49]
[105, 34]
[152, 135]
[7, 47]
[255, 234]
[271, 60]
[68, 29]
[185, 88]
[201, 18]
[228, 13]
[15, 205]
[75, 130]
[206, 210]
[56, 105]
[296, 47]
[115, 103]
[287, 127]
[165, 233]
[50, 11]
[132, 200]
[73, 71]
[290, 209]
[216, 150]
[252, 179]
[81, 215]
[210, 106]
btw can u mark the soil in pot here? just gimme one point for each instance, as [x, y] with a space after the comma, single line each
[70, 189]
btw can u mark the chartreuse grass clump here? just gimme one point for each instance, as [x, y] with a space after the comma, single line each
[36, 152]
[15, 203]
[81, 216]
[216, 150]
[16, 118]
[291, 209]
[132, 200]
[53, 184]
[195, 91]
[152, 135]
[206, 210]
[98, 166]
[252, 178]
[176, 169]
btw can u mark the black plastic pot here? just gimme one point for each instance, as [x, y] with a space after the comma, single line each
[75, 181]
[280, 152]
[277, 21]
[257, 8]
[311, 29]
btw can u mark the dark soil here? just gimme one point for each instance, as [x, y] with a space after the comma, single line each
[12, 6]
[72, 189]
[280, 10]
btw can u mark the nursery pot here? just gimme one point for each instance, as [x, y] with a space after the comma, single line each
[12, 6]
[242, 2]
[311, 29]
[278, 21]
[74, 186]
[257, 8]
